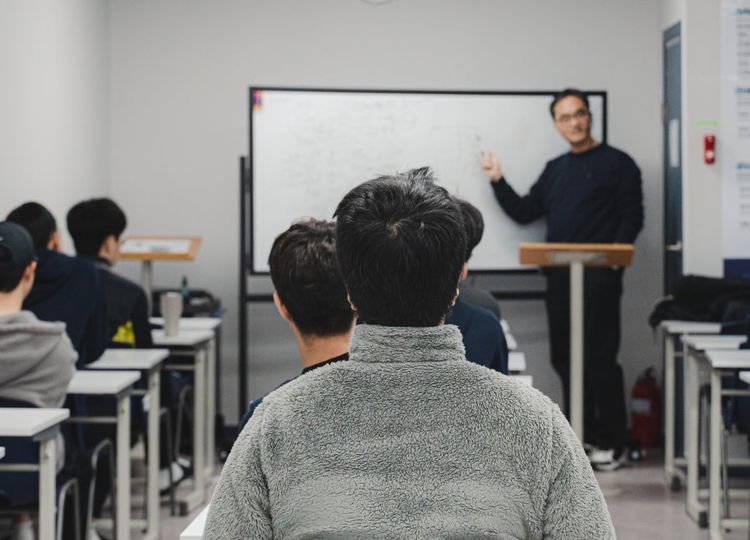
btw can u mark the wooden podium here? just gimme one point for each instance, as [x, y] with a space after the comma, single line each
[576, 256]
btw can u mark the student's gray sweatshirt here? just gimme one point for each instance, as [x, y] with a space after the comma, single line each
[37, 360]
[407, 440]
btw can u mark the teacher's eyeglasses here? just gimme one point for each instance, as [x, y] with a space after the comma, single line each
[564, 119]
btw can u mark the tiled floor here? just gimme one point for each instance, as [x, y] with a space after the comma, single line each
[641, 505]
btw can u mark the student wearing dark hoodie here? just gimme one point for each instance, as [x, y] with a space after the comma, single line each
[96, 226]
[37, 358]
[66, 289]
[481, 332]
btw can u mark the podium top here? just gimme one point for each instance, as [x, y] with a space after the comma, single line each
[551, 254]
[160, 248]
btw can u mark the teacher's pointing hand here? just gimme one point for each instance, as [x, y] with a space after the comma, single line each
[491, 166]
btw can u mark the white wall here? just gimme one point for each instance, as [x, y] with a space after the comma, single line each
[671, 12]
[179, 77]
[53, 103]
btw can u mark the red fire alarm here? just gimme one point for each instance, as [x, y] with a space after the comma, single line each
[709, 149]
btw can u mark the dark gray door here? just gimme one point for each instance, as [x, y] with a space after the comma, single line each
[672, 158]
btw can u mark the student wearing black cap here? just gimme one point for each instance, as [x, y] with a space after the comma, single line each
[36, 357]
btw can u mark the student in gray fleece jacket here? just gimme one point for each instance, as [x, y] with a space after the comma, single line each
[36, 358]
[408, 439]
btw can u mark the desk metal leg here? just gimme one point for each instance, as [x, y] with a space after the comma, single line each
[122, 510]
[714, 472]
[683, 355]
[47, 467]
[152, 482]
[197, 495]
[199, 429]
[146, 281]
[669, 419]
[576, 348]
[695, 509]
[211, 407]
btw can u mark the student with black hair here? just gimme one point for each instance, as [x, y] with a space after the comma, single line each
[66, 289]
[591, 194]
[482, 334]
[406, 439]
[310, 296]
[37, 358]
[96, 226]
[470, 293]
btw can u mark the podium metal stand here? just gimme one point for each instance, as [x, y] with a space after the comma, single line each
[148, 249]
[576, 256]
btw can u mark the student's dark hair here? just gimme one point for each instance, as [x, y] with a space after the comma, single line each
[91, 221]
[10, 275]
[401, 245]
[36, 219]
[307, 279]
[473, 223]
[565, 93]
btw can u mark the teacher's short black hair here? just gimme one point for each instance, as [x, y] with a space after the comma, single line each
[565, 93]
[91, 222]
[307, 279]
[401, 245]
[36, 219]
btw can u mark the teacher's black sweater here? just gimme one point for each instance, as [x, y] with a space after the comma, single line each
[594, 196]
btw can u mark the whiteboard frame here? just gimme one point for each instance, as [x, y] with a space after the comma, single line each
[251, 203]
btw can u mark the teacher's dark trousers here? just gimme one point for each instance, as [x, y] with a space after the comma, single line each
[605, 420]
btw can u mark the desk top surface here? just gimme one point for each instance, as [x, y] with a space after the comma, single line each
[141, 359]
[184, 338]
[728, 359]
[192, 323]
[690, 327]
[516, 361]
[100, 382]
[704, 342]
[194, 531]
[27, 422]
[525, 379]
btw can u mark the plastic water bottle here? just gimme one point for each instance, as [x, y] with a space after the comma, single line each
[184, 291]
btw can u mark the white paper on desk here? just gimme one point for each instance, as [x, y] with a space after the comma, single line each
[155, 246]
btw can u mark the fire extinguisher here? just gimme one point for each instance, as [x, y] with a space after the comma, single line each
[645, 411]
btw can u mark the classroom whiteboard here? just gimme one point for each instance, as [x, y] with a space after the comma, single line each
[308, 148]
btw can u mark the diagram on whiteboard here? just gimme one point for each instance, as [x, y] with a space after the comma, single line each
[309, 148]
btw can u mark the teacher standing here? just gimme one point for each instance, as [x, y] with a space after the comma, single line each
[591, 194]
